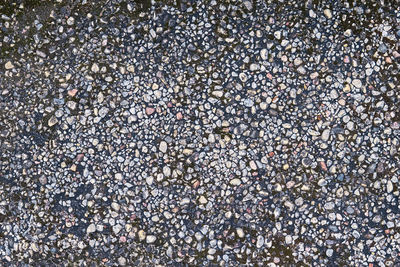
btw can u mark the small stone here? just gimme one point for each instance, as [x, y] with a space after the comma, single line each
[117, 228]
[179, 116]
[248, 102]
[357, 83]
[329, 205]
[301, 70]
[312, 14]
[235, 181]
[203, 200]
[240, 232]
[122, 261]
[260, 241]
[328, 13]
[118, 176]
[264, 54]
[187, 151]
[253, 165]
[142, 235]
[288, 239]
[95, 68]
[350, 125]
[52, 121]
[103, 112]
[347, 33]
[115, 206]
[334, 94]
[72, 92]
[389, 186]
[248, 4]
[70, 21]
[9, 65]
[43, 180]
[91, 228]
[166, 171]
[149, 110]
[34, 247]
[329, 252]
[218, 93]
[163, 146]
[254, 67]
[325, 134]
[278, 35]
[346, 88]
[150, 239]
[149, 180]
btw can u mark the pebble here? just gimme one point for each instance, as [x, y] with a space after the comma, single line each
[328, 13]
[9, 65]
[235, 182]
[52, 121]
[357, 83]
[150, 239]
[163, 146]
[150, 110]
[95, 68]
[91, 228]
[264, 54]
[325, 134]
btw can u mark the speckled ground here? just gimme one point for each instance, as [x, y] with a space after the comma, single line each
[199, 133]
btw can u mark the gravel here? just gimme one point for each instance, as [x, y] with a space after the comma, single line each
[199, 133]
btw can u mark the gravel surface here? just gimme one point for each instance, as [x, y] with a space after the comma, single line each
[199, 133]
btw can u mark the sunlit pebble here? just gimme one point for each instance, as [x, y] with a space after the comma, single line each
[122, 239]
[346, 59]
[179, 116]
